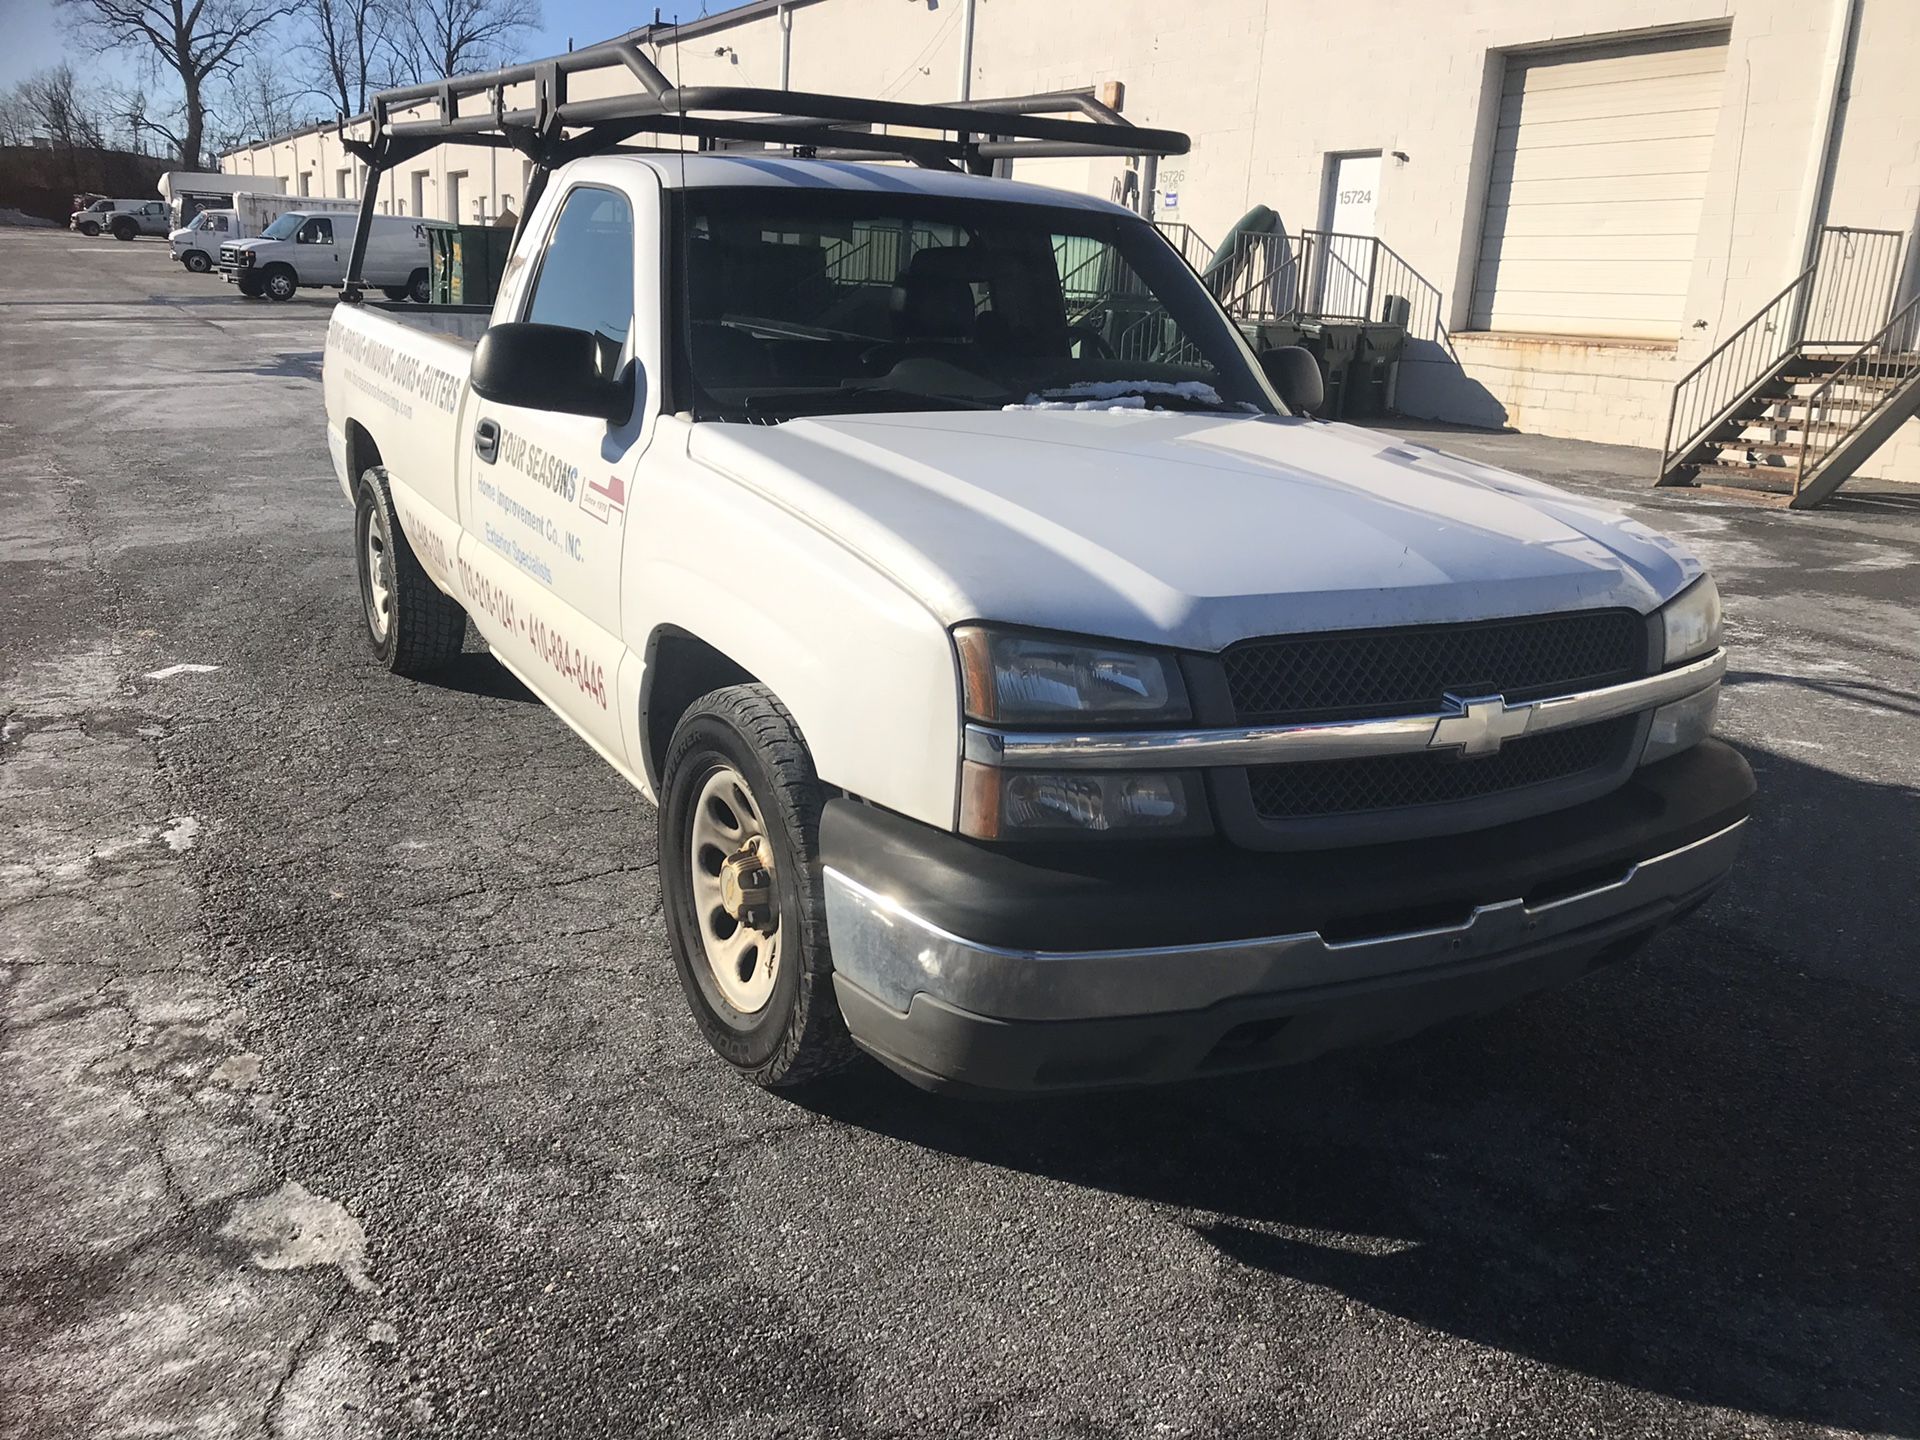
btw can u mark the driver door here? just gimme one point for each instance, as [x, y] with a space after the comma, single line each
[543, 495]
[319, 252]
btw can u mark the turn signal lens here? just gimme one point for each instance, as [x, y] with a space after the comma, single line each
[1681, 725]
[1035, 804]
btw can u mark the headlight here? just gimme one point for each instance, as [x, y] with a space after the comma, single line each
[1692, 621]
[1047, 680]
[1681, 725]
[1000, 804]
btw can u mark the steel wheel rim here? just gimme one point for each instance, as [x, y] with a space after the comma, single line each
[743, 958]
[378, 594]
[280, 286]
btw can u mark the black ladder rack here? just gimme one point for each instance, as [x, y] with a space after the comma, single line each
[970, 135]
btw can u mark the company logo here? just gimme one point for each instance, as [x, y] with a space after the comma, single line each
[1479, 726]
[605, 499]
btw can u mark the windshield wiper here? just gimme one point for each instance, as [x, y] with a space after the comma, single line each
[853, 399]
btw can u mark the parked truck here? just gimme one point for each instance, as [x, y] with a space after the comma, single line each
[1033, 694]
[196, 244]
[188, 192]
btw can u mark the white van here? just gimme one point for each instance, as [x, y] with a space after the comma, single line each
[303, 249]
[197, 245]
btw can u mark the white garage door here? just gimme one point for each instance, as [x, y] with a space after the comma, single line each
[1593, 205]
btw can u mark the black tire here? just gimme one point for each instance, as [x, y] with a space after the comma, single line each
[425, 627]
[89, 228]
[249, 286]
[395, 293]
[125, 230]
[278, 282]
[797, 1035]
[418, 290]
[197, 262]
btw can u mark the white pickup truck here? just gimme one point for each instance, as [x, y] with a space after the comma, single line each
[1031, 694]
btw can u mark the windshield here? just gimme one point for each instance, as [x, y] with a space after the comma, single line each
[283, 228]
[829, 302]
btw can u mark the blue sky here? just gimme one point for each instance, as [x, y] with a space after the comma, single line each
[34, 38]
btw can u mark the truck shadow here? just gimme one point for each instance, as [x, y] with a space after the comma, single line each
[1695, 1174]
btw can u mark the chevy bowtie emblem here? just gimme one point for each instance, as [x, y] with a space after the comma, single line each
[1479, 726]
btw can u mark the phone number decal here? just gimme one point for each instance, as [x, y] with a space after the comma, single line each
[556, 652]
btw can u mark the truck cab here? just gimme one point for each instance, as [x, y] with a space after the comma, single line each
[1032, 693]
[196, 245]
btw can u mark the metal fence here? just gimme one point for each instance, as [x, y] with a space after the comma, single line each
[1313, 275]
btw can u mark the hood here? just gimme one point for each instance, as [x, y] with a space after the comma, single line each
[1191, 530]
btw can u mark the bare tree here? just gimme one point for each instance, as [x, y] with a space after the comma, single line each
[49, 103]
[437, 38]
[256, 102]
[197, 40]
[349, 44]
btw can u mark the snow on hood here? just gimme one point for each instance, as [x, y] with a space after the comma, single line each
[1190, 529]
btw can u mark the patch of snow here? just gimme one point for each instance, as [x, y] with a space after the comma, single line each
[1134, 404]
[170, 671]
[181, 832]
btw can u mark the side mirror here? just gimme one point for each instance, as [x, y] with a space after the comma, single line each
[549, 367]
[1296, 375]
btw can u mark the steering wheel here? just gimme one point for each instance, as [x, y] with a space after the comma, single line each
[1091, 337]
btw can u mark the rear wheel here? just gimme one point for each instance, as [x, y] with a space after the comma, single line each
[740, 871]
[395, 293]
[279, 282]
[414, 626]
[197, 262]
[417, 288]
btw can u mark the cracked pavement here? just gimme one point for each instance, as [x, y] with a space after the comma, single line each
[346, 1088]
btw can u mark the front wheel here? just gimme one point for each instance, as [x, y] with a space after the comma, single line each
[280, 283]
[89, 228]
[125, 231]
[740, 873]
[414, 626]
[395, 293]
[198, 263]
[249, 286]
[418, 290]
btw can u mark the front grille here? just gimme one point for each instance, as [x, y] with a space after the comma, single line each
[1360, 674]
[1398, 782]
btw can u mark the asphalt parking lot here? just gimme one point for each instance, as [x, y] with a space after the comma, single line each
[346, 1088]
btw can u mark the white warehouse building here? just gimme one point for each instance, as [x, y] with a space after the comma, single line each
[1582, 200]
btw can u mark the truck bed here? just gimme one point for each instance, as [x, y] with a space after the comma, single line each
[463, 323]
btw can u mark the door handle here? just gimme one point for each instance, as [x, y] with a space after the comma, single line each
[486, 440]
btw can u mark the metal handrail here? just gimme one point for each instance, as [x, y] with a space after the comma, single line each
[1719, 395]
[1848, 286]
[1872, 361]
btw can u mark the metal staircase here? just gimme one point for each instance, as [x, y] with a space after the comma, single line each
[1772, 411]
